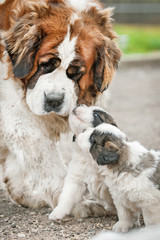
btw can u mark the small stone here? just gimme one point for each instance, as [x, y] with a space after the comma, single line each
[13, 225]
[32, 213]
[80, 220]
[21, 235]
[34, 230]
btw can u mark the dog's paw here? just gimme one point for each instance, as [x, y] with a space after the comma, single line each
[122, 227]
[57, 214]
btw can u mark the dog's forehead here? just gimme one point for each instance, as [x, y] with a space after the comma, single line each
[98, 137]
[99, 116]
[102, 113]
[66, 50]
[106, 132]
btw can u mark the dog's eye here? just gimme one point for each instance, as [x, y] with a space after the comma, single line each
[97, 117]
[74, 73]
[95, 114]
[50, 65]
[92, 139]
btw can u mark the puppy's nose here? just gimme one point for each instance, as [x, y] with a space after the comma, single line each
[53, 101]
[76, 108]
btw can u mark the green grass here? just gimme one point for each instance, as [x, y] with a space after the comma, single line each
[141, 39]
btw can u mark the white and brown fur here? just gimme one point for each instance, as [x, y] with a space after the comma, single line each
[130, 171]
[54, 54]
[83, 175]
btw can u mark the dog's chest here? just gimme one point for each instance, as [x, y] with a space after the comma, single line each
[123, 188]
[90, 175]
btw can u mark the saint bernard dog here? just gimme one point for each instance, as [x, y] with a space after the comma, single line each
[54, 54]
[104, 158]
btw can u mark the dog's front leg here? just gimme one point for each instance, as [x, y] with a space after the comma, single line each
[126, 219]
[72, 193]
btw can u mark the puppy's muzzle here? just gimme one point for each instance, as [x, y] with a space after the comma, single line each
[53, 102]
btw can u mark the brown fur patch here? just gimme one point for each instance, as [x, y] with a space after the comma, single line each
[1, 50]
[5, 13]
[96, 46]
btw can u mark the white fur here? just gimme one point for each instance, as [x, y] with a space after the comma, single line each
[56, 82]
[83, 5]
[2, 1]
[103, 99]
[30, 171]
[83, 118]
[82, 174]
[35, 175]
[108, 128]
[66, 50]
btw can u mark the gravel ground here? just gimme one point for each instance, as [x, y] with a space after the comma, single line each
[135, 105]
[17, 222]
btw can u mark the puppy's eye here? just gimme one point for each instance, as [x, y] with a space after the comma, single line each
[92, 139]
[97, 117]
[95, 114]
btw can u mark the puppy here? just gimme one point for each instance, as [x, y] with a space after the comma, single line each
[82, 174]
[107, 158]
[131, 172]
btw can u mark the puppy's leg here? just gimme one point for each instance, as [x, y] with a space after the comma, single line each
[151, 214]
[72, 193]
[126, 219]
[149, 203]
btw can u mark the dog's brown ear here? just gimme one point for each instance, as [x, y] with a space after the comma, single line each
[106, 61]
[22, 44]
[98, 67]
[109, 155]
[113, 54]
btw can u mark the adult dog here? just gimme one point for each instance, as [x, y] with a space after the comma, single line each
[54, 54]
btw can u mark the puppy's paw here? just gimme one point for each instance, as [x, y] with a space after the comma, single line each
[122, 227]
[57, 214]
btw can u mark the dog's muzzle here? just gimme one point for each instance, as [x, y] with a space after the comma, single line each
[53, 102]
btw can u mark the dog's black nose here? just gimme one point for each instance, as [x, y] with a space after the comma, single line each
[53, 101]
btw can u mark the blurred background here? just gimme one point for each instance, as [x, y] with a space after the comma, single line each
[137, 23]
[135, 90]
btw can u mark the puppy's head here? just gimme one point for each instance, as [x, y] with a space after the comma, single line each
[83, 117]
[105, 144]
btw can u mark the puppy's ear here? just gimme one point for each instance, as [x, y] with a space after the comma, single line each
[109, 155]
[22, 44]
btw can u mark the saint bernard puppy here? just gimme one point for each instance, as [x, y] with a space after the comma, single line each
[104, 158]
[54, 54]
[83, 175]
[131, 172]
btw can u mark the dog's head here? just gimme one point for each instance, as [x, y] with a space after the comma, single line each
[63, 54]
[105, 143]
[83, 117]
